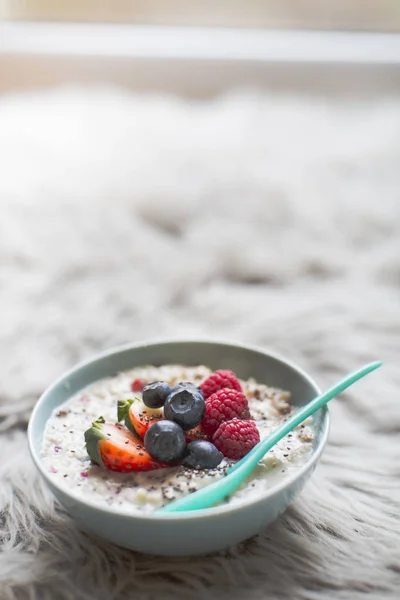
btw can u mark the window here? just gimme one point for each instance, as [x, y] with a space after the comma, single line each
[365, 15]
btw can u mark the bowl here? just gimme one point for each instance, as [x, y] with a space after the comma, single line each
[195, 532]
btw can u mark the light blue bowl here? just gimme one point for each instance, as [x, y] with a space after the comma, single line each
[189, 533]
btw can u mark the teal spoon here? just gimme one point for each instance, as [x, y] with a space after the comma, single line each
[236, 475]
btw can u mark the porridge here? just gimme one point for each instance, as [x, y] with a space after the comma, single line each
[89, 454]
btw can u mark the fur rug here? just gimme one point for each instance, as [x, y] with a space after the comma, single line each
[270, 220]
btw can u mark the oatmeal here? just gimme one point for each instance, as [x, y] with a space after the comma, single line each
[66, 457]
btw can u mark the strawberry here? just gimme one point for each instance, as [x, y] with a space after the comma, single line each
[117, 449]
[195, 434]
[137, 416]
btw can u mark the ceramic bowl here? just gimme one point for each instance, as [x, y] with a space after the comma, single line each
[196, 532]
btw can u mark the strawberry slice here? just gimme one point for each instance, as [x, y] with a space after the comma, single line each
[137, 416]
[117, 449]
[197, 433]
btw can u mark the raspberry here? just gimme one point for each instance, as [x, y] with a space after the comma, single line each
[236, 438]
[218, 381]
[224, 405]
[137, 385]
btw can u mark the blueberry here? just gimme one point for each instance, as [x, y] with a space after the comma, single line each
[155, 394]
[165, 441]
[185, 405]
[187, 385]
[202, 455]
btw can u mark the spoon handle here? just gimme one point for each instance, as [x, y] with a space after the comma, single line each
[215, 492]
[303, 413]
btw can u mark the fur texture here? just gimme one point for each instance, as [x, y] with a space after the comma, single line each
[271, 220]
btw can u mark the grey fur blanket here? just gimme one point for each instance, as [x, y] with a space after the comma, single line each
[265, 219]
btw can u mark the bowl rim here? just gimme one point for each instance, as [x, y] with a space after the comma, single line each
[188, 515]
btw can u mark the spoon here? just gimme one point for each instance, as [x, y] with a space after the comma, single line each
[237, 474]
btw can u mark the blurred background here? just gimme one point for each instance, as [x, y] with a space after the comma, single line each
[354, 14]
[170, 168]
